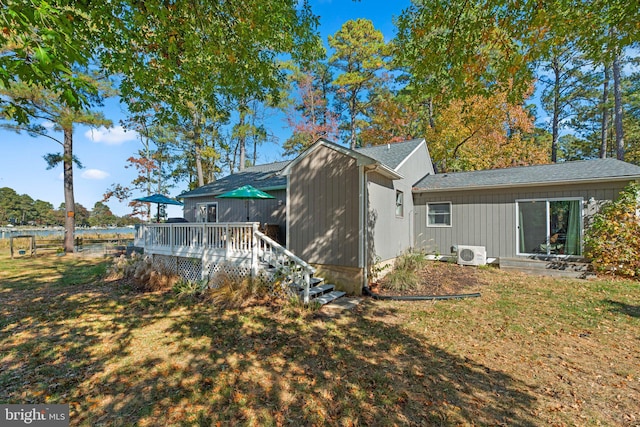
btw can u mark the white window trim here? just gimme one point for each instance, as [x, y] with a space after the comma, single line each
[450, 215]
[198, 205]
[547, 200]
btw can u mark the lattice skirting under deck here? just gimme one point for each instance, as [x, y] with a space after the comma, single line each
[193, 268]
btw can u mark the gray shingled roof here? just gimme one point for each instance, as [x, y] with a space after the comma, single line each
[391, 155]
[266, 177]
[585, 170]
[263, 177]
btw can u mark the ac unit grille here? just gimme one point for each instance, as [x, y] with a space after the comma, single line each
[467, 255]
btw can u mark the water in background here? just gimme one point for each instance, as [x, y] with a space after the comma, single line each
[6, 232]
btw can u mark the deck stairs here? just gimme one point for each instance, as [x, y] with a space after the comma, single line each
[548, 266]
[319, 292]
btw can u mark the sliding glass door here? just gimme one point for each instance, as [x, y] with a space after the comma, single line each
[549, 227]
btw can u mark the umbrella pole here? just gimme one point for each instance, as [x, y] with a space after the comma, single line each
[247, 203]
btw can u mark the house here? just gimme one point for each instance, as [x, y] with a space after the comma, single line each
[530, 211]
[342, 211]
[337, 209]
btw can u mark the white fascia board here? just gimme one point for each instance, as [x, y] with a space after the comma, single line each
[423, 142]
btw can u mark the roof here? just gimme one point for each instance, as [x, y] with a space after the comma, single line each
[361, 157]
[557, 173]
[263, 177]
[391, 155]
[272, 176]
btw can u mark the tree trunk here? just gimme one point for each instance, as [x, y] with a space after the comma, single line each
[199, 169]
[198, 150]
[617, 96]
[354, 113]
[69, 200]
[432, 122]
[556, 110]
[242, 135]
[605, 113]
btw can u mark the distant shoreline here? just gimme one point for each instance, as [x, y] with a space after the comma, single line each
[7, 232]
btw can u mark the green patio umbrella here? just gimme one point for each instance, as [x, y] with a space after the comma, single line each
[246, 192]
[159, 199]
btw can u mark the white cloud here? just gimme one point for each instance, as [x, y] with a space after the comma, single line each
[112, 136]
[48, 125]
[94, 174]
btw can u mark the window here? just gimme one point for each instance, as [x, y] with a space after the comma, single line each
[207, 212]
[439, 214]
[399, 203]
[549, 226]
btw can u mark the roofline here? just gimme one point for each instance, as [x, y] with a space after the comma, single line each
[362, 159]
[526, 184]
[272, 188]
[422, 141]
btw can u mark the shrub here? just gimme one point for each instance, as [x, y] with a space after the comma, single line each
[231, 292]
[612, 240]
[404, 275]
[124, 267]
[189, 288]
[139, 271]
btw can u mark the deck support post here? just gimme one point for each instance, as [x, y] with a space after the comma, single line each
[307, 284]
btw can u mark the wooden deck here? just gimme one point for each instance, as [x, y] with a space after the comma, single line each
[227, 241]
[212, 244]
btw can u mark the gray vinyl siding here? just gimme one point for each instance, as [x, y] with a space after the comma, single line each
[268, 211]
[323, 210]
[488, 218]
[390, 235]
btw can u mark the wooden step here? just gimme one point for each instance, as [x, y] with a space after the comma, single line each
[328, 297]
[318, 290]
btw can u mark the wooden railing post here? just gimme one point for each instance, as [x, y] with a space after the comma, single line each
[254, 250]
[307, 284]
[227, 243]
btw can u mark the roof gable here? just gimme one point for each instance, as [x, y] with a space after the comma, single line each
[391, 155]
[557, 173]
[361, 158]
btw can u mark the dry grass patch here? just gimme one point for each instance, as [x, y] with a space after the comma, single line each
[530, 352]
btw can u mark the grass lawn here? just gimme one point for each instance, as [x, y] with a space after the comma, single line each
[530, 352]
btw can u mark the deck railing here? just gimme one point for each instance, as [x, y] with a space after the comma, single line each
[225, 241]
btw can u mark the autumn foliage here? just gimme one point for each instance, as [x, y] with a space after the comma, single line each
[612, 240]
[484, 132]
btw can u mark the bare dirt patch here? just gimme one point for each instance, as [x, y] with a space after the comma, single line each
[437, 278]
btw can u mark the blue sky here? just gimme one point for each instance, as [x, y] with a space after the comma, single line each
[103, 152]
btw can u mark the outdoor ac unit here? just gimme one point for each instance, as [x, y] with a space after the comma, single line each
[472, 255]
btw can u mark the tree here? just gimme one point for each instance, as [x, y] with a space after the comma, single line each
[39, 42]
[612, 239]
[456, 49]
[9, 201]
[40, 104]
[308, 112]
[561, 76]
[43, 213]
[391, 118]
[484, 133]
[192, 61]
[101, 215]
[360, 54]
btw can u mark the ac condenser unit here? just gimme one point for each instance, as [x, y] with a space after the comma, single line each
[472, 255]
